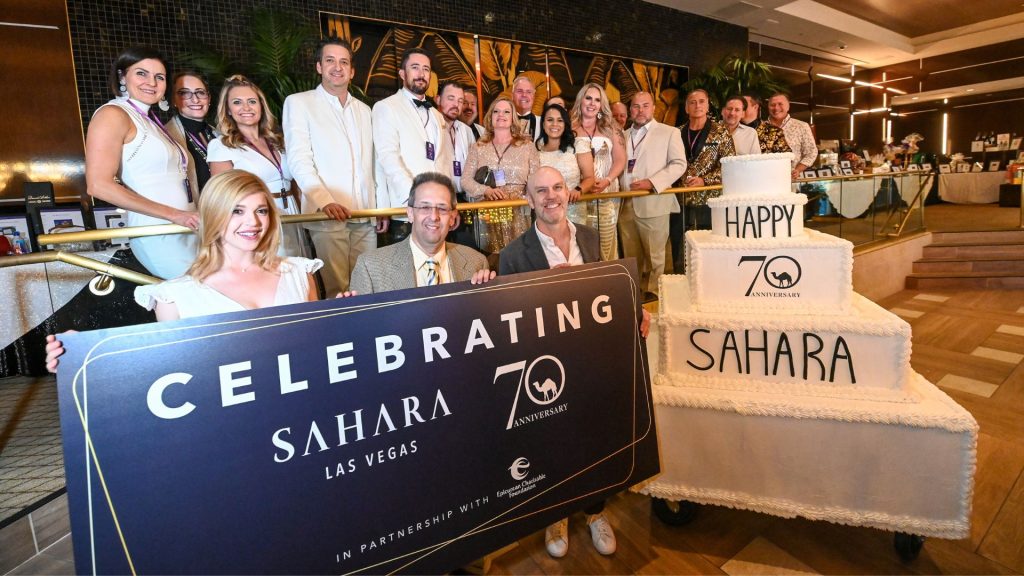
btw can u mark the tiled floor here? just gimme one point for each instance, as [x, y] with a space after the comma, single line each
[31, 459]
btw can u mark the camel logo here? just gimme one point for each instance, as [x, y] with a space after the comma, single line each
[780, 272]
[543, 379]
[520, 468]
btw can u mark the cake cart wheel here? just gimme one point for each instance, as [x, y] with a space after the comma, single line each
[908, 546]
[673, 513]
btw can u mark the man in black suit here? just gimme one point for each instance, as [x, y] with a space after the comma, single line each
[553, 242]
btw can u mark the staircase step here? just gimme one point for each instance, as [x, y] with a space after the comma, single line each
[1016, 235]
[981, 264]
[965, 280]
[1009, 250]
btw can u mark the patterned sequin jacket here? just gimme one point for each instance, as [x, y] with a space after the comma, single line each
[771, 138]
[707, 166]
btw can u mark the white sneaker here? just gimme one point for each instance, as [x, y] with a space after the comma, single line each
[601, 533]
[556, 538]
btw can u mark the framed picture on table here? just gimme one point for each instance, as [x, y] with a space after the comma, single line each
[825, 173]
[913, 168]
[926, 167]
[58, 220]
[1003, 141]
[809, 174]
[108, 217]
[11, 223]
[847, 171]
[977, 167]
[993, 166]
[1015, 143]
[844, 164]
[945, 169]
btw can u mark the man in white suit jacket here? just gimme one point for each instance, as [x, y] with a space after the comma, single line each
[655, 159]
[409, 136]
[523, 95]
[330, 154]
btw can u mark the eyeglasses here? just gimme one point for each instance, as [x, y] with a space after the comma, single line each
[200, 94]
[429, 210]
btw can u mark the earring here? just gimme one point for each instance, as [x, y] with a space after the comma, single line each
[600, 115]
[123, 89]
[164, 105]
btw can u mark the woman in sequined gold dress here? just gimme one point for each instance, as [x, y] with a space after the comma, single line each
[511, 158]
[596, 132]
[557, 149]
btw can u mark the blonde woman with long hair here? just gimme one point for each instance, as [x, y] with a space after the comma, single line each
[596, 132]
[511, 158]
[252, 141]
[237, 267]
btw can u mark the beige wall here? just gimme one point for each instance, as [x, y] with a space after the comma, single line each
[880, 272]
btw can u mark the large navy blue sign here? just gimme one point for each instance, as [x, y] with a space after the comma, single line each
[410, 431]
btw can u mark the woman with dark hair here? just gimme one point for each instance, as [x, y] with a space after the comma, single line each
[509, 159]
[132, 162]
[252, 141]
[556, 148]
[190, 98]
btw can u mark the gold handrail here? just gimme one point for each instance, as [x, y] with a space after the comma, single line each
[80, 261]
[166, 229]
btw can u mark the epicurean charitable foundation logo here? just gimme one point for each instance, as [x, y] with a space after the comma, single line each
[780, 273]
[520, 470]
[544, 381]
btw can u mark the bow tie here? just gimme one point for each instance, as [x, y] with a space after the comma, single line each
[425, 103]
[526, 116]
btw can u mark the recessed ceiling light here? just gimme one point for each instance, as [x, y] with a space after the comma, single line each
[772, 21]
[970, 89]
[913, 98]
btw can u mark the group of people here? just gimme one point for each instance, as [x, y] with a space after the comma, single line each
[333, 154]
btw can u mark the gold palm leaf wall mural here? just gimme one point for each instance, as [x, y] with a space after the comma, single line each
[378, 47]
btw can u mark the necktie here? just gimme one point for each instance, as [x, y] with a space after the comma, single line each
[431, 272]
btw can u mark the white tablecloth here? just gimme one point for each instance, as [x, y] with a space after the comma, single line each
[37, 290]
[851, 198]
[971, 187]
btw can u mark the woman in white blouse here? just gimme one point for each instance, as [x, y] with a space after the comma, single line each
[252, 141]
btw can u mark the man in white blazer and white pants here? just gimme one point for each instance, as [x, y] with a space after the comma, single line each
[655, 160]
[330, 155]
[410, 139]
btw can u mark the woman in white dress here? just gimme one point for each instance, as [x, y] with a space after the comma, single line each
[252, 141]
[556, 148]
[596, 132]
[237, 267]
[132, 162]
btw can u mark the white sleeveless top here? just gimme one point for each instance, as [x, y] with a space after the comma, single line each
[151, 165]
[193, 298]
[245, 158]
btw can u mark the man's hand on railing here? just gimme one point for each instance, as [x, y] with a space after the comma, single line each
[337, 212]
[642, 184]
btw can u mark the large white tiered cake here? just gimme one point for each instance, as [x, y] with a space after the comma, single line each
[779, 389]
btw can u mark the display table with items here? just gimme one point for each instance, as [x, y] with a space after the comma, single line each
[852, 197]
[971, 187]
[780, 390]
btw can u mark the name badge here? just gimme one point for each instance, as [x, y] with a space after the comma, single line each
[632, 163]
[457, 168]
[430, 150]
[499, 177]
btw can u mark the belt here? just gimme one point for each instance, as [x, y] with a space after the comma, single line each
[284, 194]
